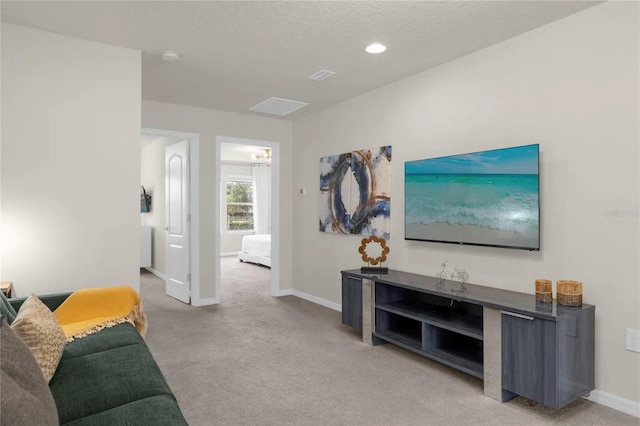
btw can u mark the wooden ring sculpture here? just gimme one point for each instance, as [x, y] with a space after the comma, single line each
[384, 250]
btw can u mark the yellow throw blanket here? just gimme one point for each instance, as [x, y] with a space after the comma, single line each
[90, 310]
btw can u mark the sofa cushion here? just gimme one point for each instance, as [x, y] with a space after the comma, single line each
[38, 328]
[97, 382]
[109, 338]
[160, 410]
[24, 394]
[6, 308]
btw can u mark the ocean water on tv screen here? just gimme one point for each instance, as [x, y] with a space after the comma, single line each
[504, 202]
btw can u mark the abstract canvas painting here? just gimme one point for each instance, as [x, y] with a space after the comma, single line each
[335, 193]
[355, 192]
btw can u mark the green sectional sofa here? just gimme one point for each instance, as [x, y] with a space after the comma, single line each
[109, 378]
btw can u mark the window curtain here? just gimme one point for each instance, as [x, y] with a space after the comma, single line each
[261, 174]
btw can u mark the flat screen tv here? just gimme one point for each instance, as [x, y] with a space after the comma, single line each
[487, 198]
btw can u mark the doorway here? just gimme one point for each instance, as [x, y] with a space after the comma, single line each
[154, 176]
[239, 217]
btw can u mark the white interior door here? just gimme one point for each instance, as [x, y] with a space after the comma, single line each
[177, 221]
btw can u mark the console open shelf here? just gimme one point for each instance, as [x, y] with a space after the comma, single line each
[441, 328]
[402, 339]
[468, 325]
[456, 350]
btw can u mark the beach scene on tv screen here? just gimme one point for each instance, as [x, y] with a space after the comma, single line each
[489, 198]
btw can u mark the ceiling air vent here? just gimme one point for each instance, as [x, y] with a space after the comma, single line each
[278, 106]
[322, 75]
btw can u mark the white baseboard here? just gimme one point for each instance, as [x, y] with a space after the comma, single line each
[610, 400]
[156, 273]
[229, 254]
[200, 302]
[317, 300]
[287, 292]
[207, 301]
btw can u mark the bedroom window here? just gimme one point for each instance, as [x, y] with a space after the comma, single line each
[239, 204]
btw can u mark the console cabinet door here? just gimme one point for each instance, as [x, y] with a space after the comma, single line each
[352, 302]
[576, 361]
[529, 357]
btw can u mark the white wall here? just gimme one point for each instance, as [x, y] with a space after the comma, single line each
[231, 241]
[571, 86]
[152, 177]
[70, 163]
[0, 154]
[209, 124]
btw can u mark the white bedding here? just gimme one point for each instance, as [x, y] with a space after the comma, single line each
[256, 249]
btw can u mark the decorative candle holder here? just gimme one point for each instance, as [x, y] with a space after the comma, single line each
[544, 293]
[569, 293]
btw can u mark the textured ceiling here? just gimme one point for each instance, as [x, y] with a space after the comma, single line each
[237, 53]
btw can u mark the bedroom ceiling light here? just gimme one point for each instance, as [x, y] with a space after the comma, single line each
[375, 48]
[170, 56]
[266, 156]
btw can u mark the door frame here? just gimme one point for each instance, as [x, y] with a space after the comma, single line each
[275, 209]
[194, 207]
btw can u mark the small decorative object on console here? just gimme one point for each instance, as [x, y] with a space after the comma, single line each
[374, 250]
[544, 294]
[569, 293]
[459, 275]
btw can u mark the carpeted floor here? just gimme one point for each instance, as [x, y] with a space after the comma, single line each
[259, 360]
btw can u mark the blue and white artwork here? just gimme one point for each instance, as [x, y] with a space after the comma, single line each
[335, 193]
[355, 192]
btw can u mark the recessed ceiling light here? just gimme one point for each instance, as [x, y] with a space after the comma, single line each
[170, 56]
[375, 48]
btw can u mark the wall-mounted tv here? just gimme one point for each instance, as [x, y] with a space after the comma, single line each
[487, 198]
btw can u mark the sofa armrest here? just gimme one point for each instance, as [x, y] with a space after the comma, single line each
[51, 300]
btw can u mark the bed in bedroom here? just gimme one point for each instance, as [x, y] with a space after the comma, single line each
[256, 249]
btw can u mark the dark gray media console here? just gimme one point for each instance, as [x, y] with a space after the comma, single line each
[544, 352]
